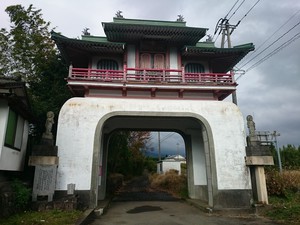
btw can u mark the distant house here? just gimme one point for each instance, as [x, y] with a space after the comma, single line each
[171, 162]
[14, 126]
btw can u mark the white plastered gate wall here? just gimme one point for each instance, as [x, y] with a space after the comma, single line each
[80, 127]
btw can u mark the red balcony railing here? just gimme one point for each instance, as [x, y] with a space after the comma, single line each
[151, 75]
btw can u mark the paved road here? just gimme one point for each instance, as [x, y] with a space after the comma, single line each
[137, 204]
[168, 213]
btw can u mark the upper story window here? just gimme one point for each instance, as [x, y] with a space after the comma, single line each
[107, 64]
[194, 68]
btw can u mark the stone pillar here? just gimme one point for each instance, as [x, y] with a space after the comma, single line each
[258, 156]
[262, 194]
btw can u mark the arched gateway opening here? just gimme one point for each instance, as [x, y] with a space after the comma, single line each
[214, 140]
[201, 172]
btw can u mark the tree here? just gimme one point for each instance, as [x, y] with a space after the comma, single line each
[28, 52]
[125, 153]
[290, 156]
[30, 43]
[5, 46]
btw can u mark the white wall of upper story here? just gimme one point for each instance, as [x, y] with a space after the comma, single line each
[131, 49]
[12, 159]
[174, 58]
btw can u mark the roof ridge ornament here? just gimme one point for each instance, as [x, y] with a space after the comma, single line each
[119, 14]
[180, 18]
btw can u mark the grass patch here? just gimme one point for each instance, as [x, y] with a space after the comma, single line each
[285, 209]
[284, 191]
[51, 217]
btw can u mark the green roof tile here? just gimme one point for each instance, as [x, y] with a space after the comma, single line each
[94, 38]
[149, 22]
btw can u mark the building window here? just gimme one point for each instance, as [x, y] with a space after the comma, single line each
[152, 61]
[194, 68]
[107, 64]
[14, 130]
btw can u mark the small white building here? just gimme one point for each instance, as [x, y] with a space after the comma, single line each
[14, 115]
[171, 162]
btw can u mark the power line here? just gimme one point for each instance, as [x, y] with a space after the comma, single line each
[270, 45]
[225, 20]
[231, 8]
[256, 49]
[221, 21]
[166, 137]
[237, 9]
[247, 12]
[275, 51]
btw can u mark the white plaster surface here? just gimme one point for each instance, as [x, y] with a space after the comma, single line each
[79, 119]
[199, 168]
[171, 165]
[11, 159]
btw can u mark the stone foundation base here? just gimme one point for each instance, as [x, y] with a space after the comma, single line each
[82, 196]
[233, 199]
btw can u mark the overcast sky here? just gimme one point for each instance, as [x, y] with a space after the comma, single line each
[270, 92]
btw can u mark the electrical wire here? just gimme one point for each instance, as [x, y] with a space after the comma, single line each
[237, 9]
[256, 49]
[222, 20]
[235, 12]
[167, 136]
[247, 12]
[231, 8]
[270, 45]
[275, 51]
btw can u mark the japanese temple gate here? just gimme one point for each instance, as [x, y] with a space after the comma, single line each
[213, 133]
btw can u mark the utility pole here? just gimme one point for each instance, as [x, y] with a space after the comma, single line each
[227, 30]
[159, 157]
[275, 135]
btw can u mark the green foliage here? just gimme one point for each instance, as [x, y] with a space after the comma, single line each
[53, 217]
[290, 157]
[49, 93]
[29, 43]
[150, 164]
[22, 194]
[284, 195]
[285, 209]
[28, 52]
[125, 155]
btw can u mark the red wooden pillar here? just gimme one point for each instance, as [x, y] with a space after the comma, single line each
[183, 74]
[124, 72]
